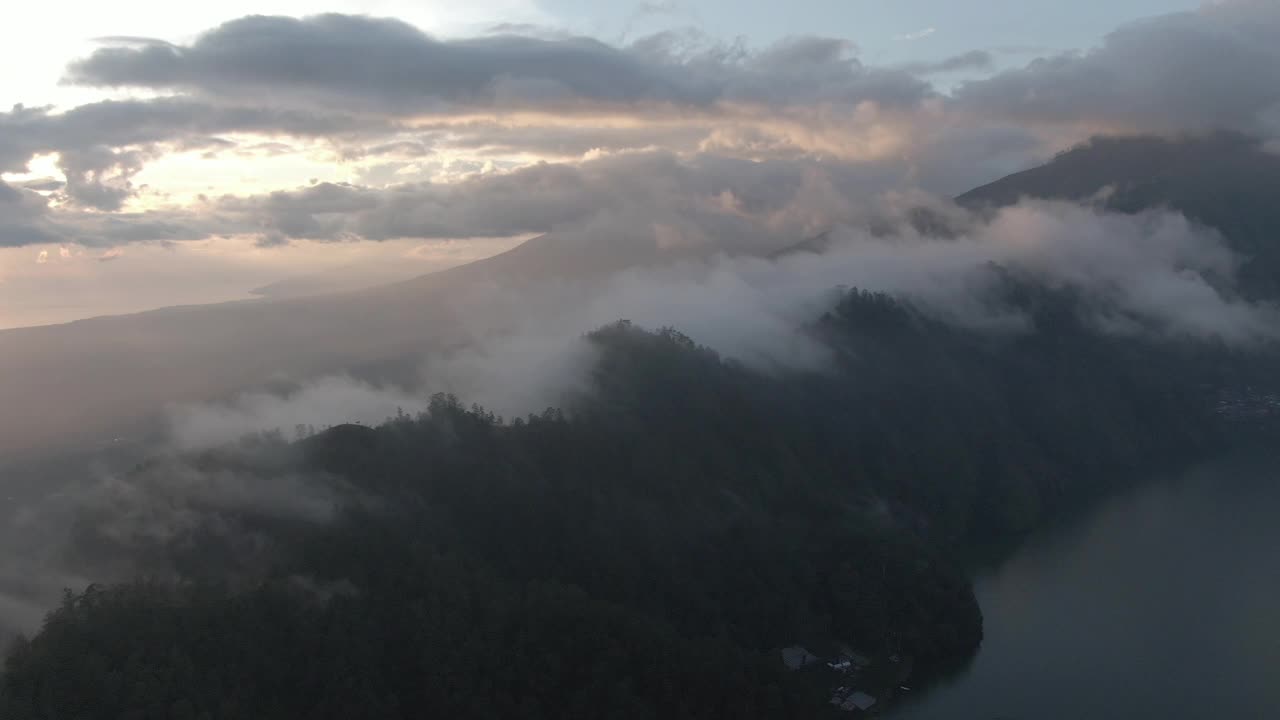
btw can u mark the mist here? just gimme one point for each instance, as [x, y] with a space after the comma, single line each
[170, 516]
[1154, 274]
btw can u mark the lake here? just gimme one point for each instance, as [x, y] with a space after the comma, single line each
[1164, 603]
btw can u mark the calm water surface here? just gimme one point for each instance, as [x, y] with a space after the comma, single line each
[1162, 604]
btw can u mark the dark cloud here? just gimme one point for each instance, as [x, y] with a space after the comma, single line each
[1023, 49]
[397, 148]
[1212, 68]
[972, 60]
[45, 184]
[271, 239]
[9, 195]
[516, 28]
[109, 229]
[392, 67]
[22, 217]
[102, 145]
[32, 222]
[533, 199]
[99, 177]
[211, 145]
[25, 132]
[525, 29]
[20, 137]
[488, 138]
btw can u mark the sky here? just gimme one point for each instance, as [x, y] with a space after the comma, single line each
[153, 158]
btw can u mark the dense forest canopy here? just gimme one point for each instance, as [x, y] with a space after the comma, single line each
[643, 551]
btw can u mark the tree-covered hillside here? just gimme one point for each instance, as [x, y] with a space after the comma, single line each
[647, 549]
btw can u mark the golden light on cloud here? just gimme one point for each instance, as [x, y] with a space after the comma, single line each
[246, 165]
[39, 168]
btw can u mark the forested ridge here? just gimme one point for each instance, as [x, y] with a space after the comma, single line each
[645, 550]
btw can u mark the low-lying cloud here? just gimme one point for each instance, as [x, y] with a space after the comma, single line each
[1153, 275]
[104, 525]
[326, 402]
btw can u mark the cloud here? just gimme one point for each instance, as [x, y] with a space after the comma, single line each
[572, 142]
[916, 35]
[45, 184]
[35, 224]
[1213, 68]
[102, 145]
[781, 194]
[98, 177]
[733, 202]
[329, 401]
[391, 67]
[9, 195]
[165, 516]
[23, 217]
[1154, 273]
[738, 196]
[26, 132]
[972, 60]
